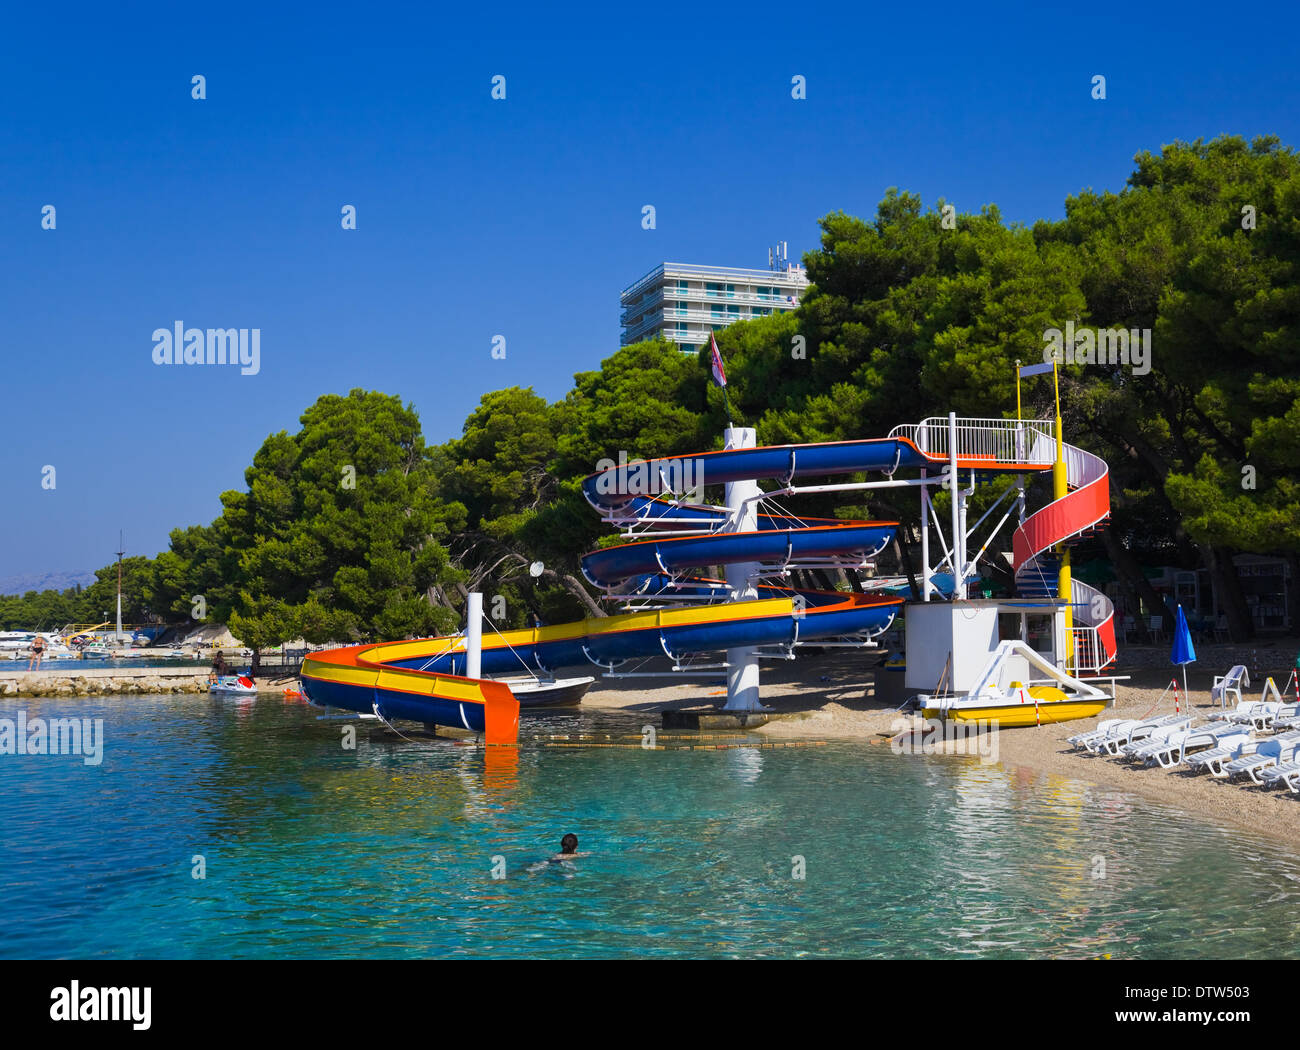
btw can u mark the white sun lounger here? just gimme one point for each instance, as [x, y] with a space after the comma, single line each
[1080, 741]
[1152, 737]
[1258, 713]
[1172, 749]
[1280, 750]
[1214, 760]
[1287, 773]
[1131, 735]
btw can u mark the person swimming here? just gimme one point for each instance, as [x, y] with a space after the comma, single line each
[568, 852]
[568, 849]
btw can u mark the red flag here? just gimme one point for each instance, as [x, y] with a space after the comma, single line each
[719, 373]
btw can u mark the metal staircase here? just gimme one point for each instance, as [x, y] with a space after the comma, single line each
[1082, 513]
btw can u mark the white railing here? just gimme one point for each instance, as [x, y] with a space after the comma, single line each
[633, 333]
[796, 278]
[1088, 655]
[1091, 609]
[1027, 441]
[1082, 468]
[709, 299]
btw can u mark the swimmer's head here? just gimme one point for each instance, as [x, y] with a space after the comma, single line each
[569, 844]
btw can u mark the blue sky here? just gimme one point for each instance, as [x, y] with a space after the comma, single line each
[479, 217]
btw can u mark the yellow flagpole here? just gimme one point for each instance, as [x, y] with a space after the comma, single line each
[1064, 589]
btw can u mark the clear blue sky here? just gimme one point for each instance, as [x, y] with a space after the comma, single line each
[478, 217]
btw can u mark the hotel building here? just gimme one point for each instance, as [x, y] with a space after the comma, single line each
[684, 303]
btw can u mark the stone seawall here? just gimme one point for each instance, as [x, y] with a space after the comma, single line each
[103, 681]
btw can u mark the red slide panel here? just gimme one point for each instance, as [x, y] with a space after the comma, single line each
[1079, 510]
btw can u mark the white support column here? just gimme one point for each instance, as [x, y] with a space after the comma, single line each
[958, 539]
[742, 669]
[925, 540]
[474, 636]
[961, 517]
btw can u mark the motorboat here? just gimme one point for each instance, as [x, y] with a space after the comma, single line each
[233, 685]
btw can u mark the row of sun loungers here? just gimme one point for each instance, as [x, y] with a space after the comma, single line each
[1225, 746]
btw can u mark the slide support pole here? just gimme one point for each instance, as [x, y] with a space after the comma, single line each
[925, 541]
[474, 636]
[742, 662]
[958, 540]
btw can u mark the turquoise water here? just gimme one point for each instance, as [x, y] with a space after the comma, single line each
[312, 850]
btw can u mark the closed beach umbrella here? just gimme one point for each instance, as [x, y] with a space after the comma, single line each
[1184, 652]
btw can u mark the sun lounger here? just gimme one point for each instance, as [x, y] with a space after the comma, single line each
[1138, 731]
[1287, 773]
[1080, 741]
[1172, 749]
[1268, 754]
[1151, 737]
[1258, 713]
[1215, 759]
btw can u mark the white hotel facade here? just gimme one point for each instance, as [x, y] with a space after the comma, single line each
[684, 303]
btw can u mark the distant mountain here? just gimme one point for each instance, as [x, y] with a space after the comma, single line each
[46, 581]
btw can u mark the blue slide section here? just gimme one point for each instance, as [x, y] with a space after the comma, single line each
[860, 540]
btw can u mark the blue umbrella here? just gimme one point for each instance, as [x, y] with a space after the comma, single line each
[1184, 652]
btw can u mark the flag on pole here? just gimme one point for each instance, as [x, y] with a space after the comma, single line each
[715, 361]
[719, 373]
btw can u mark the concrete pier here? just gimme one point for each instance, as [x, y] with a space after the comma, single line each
[79, 680]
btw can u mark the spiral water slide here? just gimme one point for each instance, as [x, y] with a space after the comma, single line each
[1082, 513]
[418, 680]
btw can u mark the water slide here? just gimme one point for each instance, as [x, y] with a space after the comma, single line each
[419, 680]
[1063, 523]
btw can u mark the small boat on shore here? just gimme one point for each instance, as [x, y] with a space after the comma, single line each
[548, 692]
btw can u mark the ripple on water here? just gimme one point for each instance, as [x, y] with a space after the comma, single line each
[389, 849]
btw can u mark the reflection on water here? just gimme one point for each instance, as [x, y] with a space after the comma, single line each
[390, 848]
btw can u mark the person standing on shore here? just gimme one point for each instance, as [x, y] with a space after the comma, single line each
[219, 667]
[38, 651]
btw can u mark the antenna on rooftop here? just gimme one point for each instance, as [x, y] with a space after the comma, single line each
[777, 256]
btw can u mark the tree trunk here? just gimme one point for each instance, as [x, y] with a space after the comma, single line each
[1134, 582]
[1241, 628]
[904, 556]
[571, 584]
[1292, 591]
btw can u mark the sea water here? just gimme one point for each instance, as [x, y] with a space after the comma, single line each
[247, 828]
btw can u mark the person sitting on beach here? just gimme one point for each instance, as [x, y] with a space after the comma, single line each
[38, 651]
